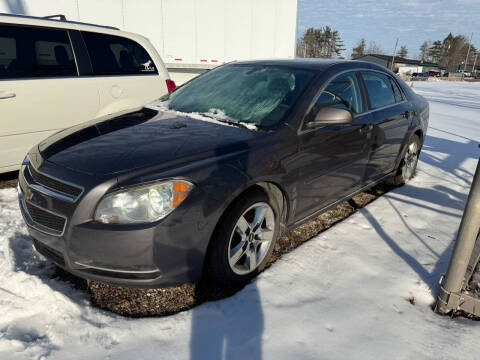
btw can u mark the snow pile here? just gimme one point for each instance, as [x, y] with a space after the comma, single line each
[348, 293]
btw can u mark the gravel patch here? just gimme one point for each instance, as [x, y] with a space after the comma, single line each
[8, 180]
[137, 302]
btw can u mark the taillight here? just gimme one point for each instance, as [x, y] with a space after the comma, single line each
[170, 85]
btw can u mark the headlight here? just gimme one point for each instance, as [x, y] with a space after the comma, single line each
[142, 204]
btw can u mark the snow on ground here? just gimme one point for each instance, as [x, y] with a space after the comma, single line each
[344, 294]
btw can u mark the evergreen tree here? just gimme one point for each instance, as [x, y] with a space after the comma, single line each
[320, 43]
[450, 51]
[359, 50]
[435, 52]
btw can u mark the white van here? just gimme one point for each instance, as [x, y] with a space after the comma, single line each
[58, 73]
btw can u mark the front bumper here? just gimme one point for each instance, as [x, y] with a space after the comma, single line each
[165, 253]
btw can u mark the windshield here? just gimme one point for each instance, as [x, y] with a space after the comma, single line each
[253, 94]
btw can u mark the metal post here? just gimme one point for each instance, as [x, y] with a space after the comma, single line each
[474, 72]
[467, 235]
[468, 53]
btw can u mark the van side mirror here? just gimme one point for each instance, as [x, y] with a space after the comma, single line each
[331, 116]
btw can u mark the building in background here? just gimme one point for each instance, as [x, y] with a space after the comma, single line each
[192, 36]
[401, 65]
[459, 68]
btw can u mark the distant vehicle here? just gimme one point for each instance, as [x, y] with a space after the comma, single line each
[465, 73]
[433, 73]
[56, 73]
[420, 76]
[206, 179]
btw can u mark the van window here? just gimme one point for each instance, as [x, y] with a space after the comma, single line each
[29, 52]
[115, 55]
[379, 89]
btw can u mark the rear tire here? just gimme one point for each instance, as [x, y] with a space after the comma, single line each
[244, 240]
[408, 165]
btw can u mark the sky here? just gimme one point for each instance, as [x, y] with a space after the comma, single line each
[383, 21]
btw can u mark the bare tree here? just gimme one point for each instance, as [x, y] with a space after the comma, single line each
[424, 55]
[403, 52]
[374, 48]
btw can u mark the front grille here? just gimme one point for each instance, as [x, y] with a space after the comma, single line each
[49, 253]
[45, 218]
[53, 184]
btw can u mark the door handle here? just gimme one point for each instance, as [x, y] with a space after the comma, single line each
[366, 128]
[7, 95]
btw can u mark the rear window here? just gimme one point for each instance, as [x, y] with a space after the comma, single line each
[115, 55]
[29, 52]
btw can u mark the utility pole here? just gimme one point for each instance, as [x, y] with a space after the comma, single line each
[474, 63]
[468, 53]
[394, 53]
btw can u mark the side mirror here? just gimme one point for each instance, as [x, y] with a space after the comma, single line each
[331, 116]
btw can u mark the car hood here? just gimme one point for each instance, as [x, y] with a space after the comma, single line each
[141, 139]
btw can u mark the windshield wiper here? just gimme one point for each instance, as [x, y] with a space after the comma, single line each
[226, 121]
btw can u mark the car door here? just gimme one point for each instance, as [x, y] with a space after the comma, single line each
[391, 115]
[126, 75]
[40, 91]
[332, 159]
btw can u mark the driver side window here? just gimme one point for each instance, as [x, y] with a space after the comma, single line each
[343, 92]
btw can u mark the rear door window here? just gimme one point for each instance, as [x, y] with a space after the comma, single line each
[379, 89]
[396, 91]
[116, 55]
[29, 52]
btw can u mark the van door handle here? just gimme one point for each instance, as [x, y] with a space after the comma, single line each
[7, 95]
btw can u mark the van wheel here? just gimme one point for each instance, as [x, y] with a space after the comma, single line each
[244, 239]
[408, 165]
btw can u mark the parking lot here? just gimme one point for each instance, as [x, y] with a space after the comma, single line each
[362, 288]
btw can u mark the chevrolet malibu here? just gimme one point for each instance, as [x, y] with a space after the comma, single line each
[204, 181]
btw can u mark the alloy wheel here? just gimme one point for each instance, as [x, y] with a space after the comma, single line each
[251, 238]
[410, 161]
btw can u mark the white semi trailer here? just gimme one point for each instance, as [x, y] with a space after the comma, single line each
[192, 36]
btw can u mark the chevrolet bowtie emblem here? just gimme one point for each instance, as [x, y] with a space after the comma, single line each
[28, 195]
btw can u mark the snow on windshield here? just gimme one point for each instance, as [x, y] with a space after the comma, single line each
[215, 116]
[259, 95]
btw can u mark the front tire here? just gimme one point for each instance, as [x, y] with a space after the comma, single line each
[244, 240]
[408, 164]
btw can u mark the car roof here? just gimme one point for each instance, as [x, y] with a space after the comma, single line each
[316, 64]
